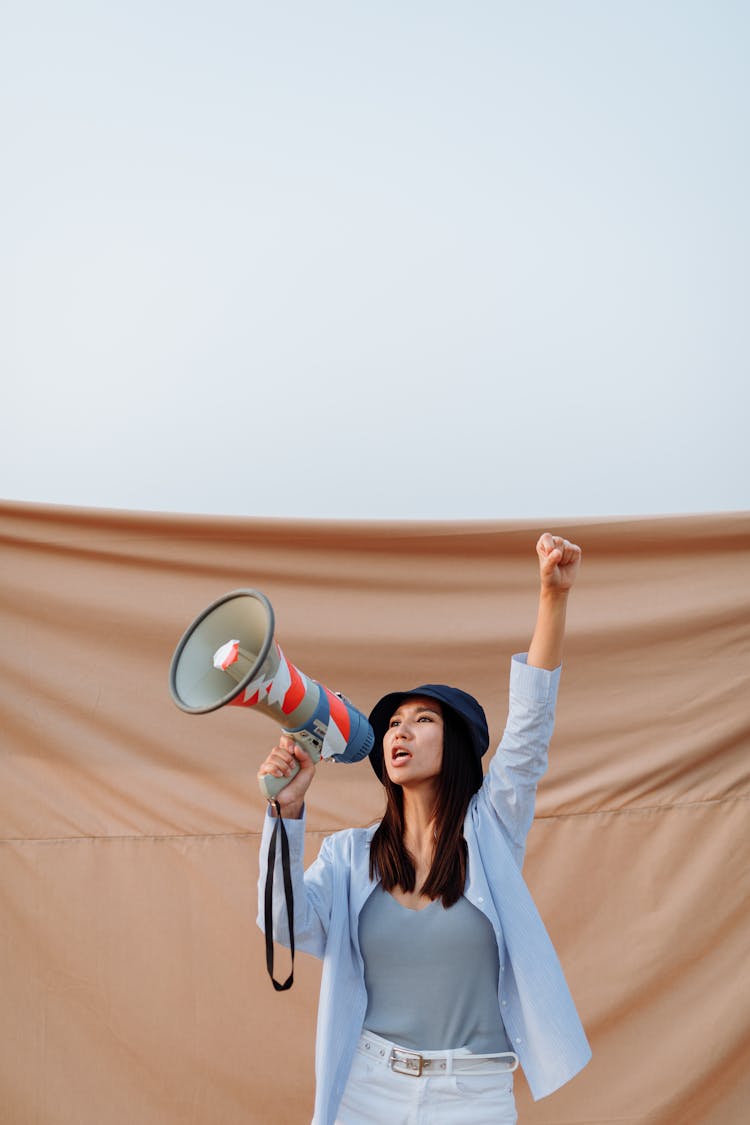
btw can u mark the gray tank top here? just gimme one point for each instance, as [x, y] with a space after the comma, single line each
[431, 975]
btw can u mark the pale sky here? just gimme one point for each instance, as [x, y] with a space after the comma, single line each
[376, 259]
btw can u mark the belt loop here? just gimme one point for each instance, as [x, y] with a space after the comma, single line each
[449, 1062]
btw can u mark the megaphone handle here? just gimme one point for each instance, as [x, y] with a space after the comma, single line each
[271, 786]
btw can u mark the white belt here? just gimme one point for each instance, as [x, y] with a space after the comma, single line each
[415, 1063]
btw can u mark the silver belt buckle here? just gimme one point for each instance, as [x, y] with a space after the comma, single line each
[406, 1062]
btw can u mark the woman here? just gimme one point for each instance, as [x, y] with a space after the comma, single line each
[438, 974]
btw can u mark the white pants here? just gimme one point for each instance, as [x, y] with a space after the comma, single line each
[377, 1095]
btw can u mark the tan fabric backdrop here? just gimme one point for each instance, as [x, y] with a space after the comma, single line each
[132, 978]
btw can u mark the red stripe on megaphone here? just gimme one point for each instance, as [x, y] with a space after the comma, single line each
[295, 692]
[339, 713]
[240, 701]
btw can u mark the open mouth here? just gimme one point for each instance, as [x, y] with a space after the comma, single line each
[400, 754]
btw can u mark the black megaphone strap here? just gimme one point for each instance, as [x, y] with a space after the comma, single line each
[279, 829]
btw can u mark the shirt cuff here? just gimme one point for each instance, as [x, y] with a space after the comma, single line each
[295, 830]
[537, 685]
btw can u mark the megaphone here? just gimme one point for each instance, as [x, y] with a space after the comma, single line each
[229, 656]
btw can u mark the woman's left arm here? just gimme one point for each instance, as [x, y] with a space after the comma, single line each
[559, 562]
[521, 759]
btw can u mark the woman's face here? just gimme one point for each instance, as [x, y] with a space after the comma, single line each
[413, 742]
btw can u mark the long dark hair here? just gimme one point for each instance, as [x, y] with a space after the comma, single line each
[460, 777]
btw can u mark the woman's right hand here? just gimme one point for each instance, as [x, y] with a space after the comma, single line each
[278, 763]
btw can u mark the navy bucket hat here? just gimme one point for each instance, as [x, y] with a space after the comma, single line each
[463, 705]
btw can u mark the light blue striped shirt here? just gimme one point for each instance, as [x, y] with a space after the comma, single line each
[537, 1008]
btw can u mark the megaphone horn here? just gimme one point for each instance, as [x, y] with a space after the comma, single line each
[229, 656]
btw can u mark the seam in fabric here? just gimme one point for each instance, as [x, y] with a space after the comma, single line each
[626, 810]
[254, 834]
